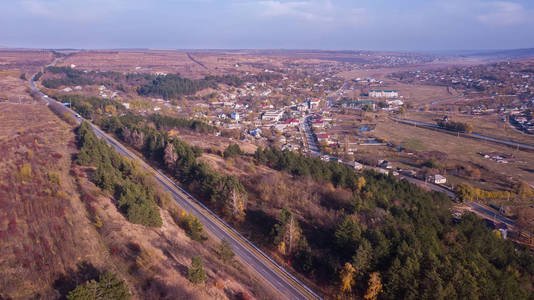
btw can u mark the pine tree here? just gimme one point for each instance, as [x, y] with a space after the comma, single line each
[196, 273]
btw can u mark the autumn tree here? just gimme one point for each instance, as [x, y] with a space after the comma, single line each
[287, 233]
[346, 275]
[374, 287]
[170, 156]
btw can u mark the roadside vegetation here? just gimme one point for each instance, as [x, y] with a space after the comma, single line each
[135, 192]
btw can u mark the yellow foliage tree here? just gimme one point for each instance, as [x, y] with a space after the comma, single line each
[347, 277]
[361, 183]
[374, 287]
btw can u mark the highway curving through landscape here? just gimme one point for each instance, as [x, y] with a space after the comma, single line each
[280, 279]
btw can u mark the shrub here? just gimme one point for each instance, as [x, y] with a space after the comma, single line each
[225, 251]
[108, 287]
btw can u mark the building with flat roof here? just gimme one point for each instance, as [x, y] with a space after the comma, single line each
[383, 93]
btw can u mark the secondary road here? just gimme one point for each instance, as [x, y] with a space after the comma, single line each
[280, 279]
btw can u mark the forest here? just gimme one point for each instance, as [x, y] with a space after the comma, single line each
[168, 86]
[399, 237]
[172, 86]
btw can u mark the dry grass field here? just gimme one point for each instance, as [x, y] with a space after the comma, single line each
[28, 61]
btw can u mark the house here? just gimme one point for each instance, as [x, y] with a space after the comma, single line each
[235, 116]
[437, 179]
[385, 164]
[394, 103]
[323, 137]
[313, 104]
[255, 132]
[292, 122]
[383, 93]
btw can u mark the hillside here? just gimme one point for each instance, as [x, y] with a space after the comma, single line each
[58, 230]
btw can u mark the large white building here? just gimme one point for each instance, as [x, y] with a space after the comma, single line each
[384, 94]
[272, 115]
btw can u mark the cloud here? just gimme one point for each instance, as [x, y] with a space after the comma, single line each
[317, 12]
[74, 11]
[502, 13]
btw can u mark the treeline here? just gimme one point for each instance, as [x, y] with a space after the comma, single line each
[224, 193]
[166, 122]
[467, 193]
[173, 86]
[89, 107]
[455, 126]
[397, 237]
[136, 194]
[167, 86]
[266, 77]
[72, 77]
[300, 165]
[231, 80]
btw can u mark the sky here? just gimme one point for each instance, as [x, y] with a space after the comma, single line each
[408, 25]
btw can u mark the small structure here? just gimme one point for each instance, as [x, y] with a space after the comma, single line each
[437, 179]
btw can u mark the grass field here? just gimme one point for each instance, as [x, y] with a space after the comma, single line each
[490, 125]
[462, 150]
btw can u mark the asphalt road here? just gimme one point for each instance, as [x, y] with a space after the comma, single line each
[281, 280]
[490, 214]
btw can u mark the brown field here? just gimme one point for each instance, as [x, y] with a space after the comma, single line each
[29, 61]
[205, 62]
[12, 88]
[57, 229]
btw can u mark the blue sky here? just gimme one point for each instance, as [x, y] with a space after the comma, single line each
[298, 24]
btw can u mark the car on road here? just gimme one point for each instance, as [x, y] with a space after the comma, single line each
[78, 116]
